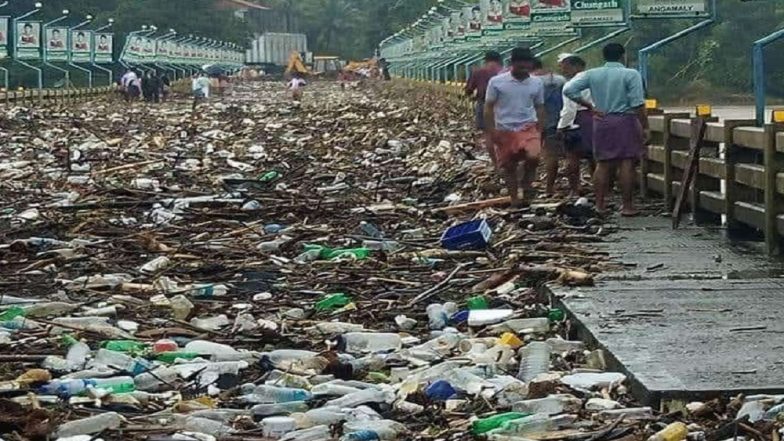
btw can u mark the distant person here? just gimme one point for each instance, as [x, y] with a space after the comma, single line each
[514, 113]
[165, 86]
[295, 86]
[476, 87]
[126, 83]
[151, 88]
[200, 85]
[575, 124]
[620, 124]
[553, 103]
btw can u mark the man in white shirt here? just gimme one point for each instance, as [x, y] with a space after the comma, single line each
[127, 82]
[575, 125]
[200, 86]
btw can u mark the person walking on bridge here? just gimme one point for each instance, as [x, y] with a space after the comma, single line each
[514, 117]
[620, 123]
[476, 87]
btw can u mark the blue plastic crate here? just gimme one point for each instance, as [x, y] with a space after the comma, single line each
[474, 235]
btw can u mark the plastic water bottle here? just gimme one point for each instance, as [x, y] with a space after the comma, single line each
[332, 389]
[370, 230]
[362, 342]
[274, 394]
[361, 435]
[88, 426]
[383, 429]
[551, 405]
[436, 316]
[534, 360]
[325, 416]
[276, 427]
[364, 396]
[265, 410]
[119, 360]
[156, 380]
[536, 423]
[316, 433]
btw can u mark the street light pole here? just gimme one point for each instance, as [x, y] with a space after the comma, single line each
[108, 72]
[40, 71]
[89, 73]
[67, 74]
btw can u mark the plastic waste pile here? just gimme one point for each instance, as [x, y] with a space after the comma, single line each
[259, 271]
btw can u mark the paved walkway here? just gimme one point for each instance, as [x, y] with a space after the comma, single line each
[690, 315]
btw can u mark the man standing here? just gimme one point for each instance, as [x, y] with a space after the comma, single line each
[514, 112]
[575, 126]
[553, 103]
[477, 87]
[621, 123]
[127, 82]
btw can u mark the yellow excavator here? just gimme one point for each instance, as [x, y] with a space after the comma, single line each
[296, 65]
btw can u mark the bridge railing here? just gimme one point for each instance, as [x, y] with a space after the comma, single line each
[740, 178]
[35, 96]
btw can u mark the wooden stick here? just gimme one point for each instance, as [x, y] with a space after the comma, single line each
[691, 171]
[427, 294]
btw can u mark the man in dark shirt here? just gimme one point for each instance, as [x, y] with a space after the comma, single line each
[477, 88]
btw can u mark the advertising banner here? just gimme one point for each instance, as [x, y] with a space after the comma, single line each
[473, 16]
[517, 14]
[492, 17]
[28, 40]
[457, 23]
[671, 8]
[81, 46]
[588, 13]
[56, 44]
[148, 49]
[4, 36]
[104, 48]
[163, 51]
[551, 18]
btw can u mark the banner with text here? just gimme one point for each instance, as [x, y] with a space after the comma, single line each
[595, 13]
[104, 48]
[28, 40]
[672, 8]
[56, 44]
[4, 36]
[81, 46]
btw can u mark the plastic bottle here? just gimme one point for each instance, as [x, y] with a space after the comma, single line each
[384, 429]
[285, 379]
[364, 396]
[556, 315]
[550, 405]
[316, 433]
[332, 389]
[119, 360]
[484, 317]
[125, 346]
[522, 326]
[535, 423]
[370, 230]
[270, 409]
[440, 390]
[217, 351]
[593, 380]
[162, 378]
[90, 425]
[361, 435]
[674, 432]
[272, 245]
[269, 176]
[436, 316]
[629, 414]
[181, 307]
[164, 345]
[202, 425]
[559, 345]
[276, 427]
[73, 387]
[484, 425]
[477, 302]
[534, 360]
[363, 342]
[171, 357]
[320, 416]
[77, 356]
[273, 394]
[332, 301]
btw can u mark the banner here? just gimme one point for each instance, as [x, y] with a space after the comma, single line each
[81, 46]
[492, 17]
[517, 14]
[104, 48]
[670, 8]
[587, 13]
[148, 50]
[551, 18]
[56, 47]
[473, 16]
[162, 51]
[28, 40]
[4, 36]
[457, 23]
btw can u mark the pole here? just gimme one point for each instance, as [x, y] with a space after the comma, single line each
[758, 62]
[67, 74]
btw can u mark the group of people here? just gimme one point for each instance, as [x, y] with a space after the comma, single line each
[152, 86]
[525, 112]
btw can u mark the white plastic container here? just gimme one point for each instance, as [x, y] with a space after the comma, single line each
[277, 427]
[484, 317]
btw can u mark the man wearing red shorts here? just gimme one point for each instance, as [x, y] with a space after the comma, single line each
[514, 110]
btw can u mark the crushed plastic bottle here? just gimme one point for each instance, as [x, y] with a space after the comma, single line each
[90, 425]
[534, 360]
[272, 394]
[485, 425]
[364, 342]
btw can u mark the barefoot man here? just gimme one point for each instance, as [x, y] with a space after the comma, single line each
[620, 122]
[477, 88]
[514, 112]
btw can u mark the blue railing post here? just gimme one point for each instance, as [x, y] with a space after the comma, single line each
[758, 63]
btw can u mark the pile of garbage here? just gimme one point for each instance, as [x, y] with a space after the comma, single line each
[265, 270]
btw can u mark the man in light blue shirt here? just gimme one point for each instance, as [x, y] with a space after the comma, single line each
[514, 114]
[620, 125]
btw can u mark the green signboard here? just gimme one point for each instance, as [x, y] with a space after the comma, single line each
[593, 13]
[672, 8]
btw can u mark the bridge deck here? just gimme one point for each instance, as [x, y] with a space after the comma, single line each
[690, 315]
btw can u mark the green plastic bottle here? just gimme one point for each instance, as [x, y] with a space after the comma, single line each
[269, 176]
[169, 357]
[556, 315]
[11, 313]
[125, 346]
[477, 303]
[485, 425]
[326, 253]
[68, 340]
[333, 301]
